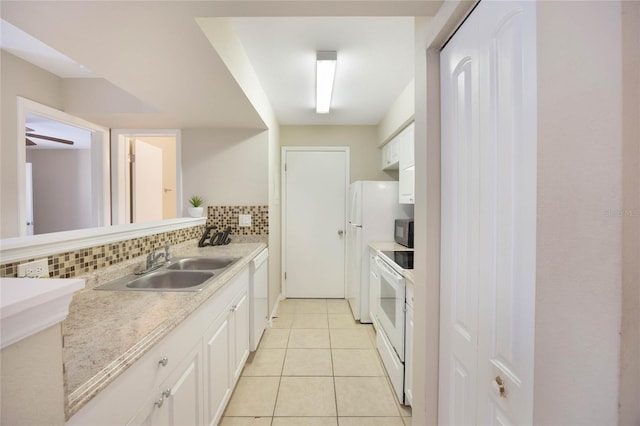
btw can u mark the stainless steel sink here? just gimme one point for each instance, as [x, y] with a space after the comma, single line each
[161, 280]
[170, 280]
[183, 274]
[202, 263]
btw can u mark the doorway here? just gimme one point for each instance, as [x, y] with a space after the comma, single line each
[63, 171]
[146, 175]
[315, 183]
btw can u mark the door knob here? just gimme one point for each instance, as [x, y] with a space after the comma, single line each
[498, 384]
[340, 232]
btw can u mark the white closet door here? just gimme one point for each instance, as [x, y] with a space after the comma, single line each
[506, 38]
[488, 228]
[460, 229]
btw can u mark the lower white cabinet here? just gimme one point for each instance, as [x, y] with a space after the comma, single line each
[178, 401]
[374, 287]
[241, 330]
[226, 344]
[408, 356]
[187, 378]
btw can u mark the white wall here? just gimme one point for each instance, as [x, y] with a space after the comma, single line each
[366, 157]
[221, 35]
[399, 114]
[226, 166]
[630, 347]
[578, 285]
[18, 78]
[61, 189]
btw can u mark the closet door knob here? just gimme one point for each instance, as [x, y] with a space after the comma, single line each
[498, 384]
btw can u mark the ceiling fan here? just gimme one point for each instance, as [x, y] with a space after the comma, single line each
[30, 135]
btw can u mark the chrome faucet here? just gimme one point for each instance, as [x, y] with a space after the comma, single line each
[153, 258]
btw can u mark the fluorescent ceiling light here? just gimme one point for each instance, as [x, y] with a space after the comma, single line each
[325, 73]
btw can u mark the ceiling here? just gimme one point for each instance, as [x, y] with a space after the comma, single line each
[156, 53]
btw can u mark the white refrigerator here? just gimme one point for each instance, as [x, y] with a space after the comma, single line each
[373, 207]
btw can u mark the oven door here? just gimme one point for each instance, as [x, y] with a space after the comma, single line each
[390, 307]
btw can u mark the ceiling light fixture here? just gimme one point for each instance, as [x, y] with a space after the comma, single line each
[325, 73]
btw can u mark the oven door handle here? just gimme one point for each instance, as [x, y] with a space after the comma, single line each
[385, 269]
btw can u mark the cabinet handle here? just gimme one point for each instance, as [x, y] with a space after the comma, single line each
[233, 308]
[164, 361]
[159, 402]
[167, 393]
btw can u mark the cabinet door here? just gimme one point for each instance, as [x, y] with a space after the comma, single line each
[240, 318]
[390, 155]
[408, 358]
[217, 347]
[374, 288]
[407, 166]
[178, 401]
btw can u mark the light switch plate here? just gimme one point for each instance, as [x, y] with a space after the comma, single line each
[244, 220]
[36, 269]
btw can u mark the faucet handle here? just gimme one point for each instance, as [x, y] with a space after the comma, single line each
[167, 252]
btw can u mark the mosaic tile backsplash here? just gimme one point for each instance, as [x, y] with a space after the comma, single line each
[79, 262]
[74, 263]
[223, 216]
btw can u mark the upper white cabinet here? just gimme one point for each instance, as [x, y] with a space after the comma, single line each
[391, 155]
[398, 154]
[406, 191]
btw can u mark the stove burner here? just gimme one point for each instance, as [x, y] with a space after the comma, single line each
[404, 259]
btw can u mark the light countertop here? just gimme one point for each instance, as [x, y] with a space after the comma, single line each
[107, 331]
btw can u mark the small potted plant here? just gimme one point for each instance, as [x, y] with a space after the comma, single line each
[196, 206]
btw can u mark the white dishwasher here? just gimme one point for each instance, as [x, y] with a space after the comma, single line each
[258, 297]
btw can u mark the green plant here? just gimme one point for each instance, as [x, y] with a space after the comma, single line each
[195, 201]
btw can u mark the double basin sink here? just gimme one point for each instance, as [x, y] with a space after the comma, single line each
[183, 274]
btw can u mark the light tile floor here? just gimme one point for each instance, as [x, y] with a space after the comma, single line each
[316, 366]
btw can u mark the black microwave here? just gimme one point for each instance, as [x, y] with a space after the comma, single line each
[403, 233]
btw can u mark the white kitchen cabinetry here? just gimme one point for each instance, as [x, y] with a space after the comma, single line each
[391, 155]
[407, 165]
[179, 399]
[217, 347]
[408, 349]
[374, 287]
[226, 345]
[188, 376]
[240, 331]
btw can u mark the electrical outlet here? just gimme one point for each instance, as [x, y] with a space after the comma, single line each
[36, 269]
[244, 220]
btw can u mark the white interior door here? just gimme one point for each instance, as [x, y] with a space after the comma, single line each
[147, 194]
[460, 228]
[488, 258]
[315, 186]
[29, 196]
